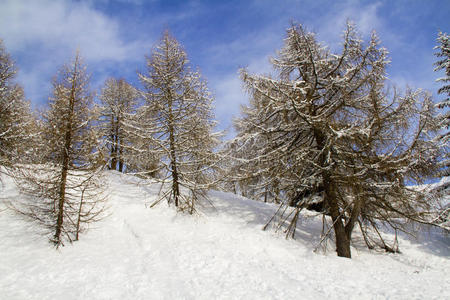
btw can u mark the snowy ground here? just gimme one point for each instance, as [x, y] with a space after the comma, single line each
[143, 253]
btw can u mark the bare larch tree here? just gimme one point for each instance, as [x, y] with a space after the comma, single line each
[179, 122]
[119, 102]
[327, 126]
[443, 64]
[16, 121]
[63, 184]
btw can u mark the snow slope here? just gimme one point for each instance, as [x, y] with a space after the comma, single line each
[143, 253]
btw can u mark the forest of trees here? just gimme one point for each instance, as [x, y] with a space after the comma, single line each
[324, 132]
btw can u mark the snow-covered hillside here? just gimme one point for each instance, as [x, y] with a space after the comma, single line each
[142, 253]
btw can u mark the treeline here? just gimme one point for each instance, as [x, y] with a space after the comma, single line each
[323, 133]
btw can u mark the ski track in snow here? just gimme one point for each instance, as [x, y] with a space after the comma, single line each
[142, 253]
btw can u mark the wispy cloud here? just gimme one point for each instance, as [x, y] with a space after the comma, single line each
[365, 16]
[48, 32]
[62, 26]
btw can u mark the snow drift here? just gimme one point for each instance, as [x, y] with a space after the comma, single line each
[142, 253]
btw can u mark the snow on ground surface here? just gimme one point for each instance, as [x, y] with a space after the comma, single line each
[155, 253]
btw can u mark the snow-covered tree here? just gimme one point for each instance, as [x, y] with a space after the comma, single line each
[249, 180]
[16, 122]
[179, 123]
[119, 102]
[327, 127]
[63, 186]
[443, 64]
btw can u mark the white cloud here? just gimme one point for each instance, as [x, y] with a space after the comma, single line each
[61, 26]
[229, 94]
[331, 25]
[36, 89]
[134, 2]
[43, 35]
[251, 52]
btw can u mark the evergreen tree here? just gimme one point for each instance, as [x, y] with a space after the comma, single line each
[63, 185]
[179, 123]
[327, 127]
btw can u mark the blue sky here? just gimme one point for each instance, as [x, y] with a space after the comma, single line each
[220, 37]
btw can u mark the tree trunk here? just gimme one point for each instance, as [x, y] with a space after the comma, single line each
[173, 158]
[65, 164]
[61, 199]
[356, 210]
[80, 209]
[120, 157]
[121, 166]
[330, 198]
[175, 187]
[265, 195]
[342, 239]
[119, 146]
[113, 145]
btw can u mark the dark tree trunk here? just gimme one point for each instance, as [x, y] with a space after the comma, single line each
[277, 194]
[120, 157]
[65, 164]
[331, 201]
[342, 242]
[121, 166]
[119, 149]
[113, 161]
[265, 194]
[62, 194]
[356, 210]
[113, 144]
[342, 238]
[173, 158]
[80, 209]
